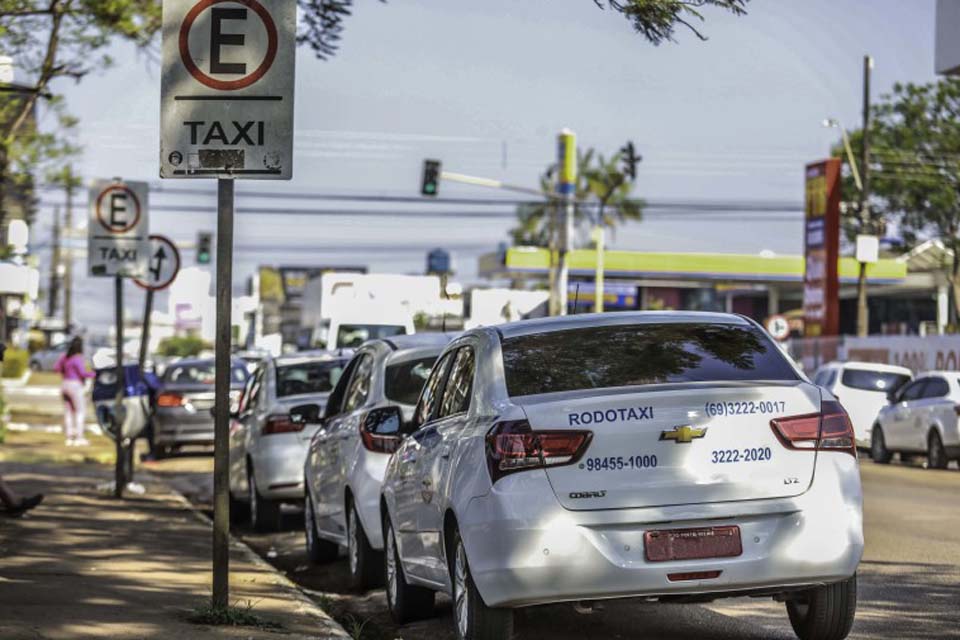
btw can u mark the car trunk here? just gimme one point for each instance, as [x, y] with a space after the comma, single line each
[646, 449]
[287, 403]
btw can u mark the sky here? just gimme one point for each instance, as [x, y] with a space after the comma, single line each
[485, 87]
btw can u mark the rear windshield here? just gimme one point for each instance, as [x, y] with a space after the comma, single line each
[404, 380]
[200, 373]
[879, 381]
[353, 335]
[308, 377]
[625, 355]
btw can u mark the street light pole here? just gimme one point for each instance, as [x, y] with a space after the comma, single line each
[863, 318]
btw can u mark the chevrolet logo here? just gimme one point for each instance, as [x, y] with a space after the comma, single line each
[684, 434]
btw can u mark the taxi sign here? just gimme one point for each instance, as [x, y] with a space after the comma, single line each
[118, 227]
[163, 264]
[226, 92]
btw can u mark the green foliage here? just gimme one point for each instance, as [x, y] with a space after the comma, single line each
[182, 346]
[234, 616]
[915, 165]
[602, 195]
[656, 20]
[15, 363]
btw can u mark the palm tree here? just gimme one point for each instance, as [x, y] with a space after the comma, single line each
[602, 196]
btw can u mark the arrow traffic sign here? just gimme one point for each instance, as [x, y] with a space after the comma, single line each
[226, 94]
[163, 264]
[118, 228]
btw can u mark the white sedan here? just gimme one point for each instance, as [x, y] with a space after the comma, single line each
[921, 419]
[674, 456]
[348, 455]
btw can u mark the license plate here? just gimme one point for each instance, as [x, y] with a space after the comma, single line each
[692, 544]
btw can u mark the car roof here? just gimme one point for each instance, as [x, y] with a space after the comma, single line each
[561, 323]
[872, 366]
[188, 362]
[417, 340]
[313, 356]
[939, 372]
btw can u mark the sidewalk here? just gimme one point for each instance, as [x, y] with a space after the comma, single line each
[84, 565]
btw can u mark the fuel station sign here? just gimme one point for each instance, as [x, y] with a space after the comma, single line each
[821, 305]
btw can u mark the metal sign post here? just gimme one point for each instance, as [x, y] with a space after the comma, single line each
[162, 269]
[226, 104]
[119, 472]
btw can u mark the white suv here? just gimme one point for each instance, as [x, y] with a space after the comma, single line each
[921, 419]
[862, 388]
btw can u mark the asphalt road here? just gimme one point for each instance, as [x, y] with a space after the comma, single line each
[909, 578]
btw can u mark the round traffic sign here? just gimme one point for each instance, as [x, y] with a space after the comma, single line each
[107, 216]
[246, 80]
[163, 264]
[779, 327]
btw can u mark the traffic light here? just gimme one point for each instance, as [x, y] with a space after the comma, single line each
[431, 178]
[204, 247]
[630, 160]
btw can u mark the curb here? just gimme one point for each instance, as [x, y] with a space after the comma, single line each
[307, 604]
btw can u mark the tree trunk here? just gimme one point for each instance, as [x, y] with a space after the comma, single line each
[955, 287]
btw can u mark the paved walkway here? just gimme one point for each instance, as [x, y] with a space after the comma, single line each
[84, 565]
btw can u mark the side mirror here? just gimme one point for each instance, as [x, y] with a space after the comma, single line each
[382, 429]
[305, 414]
[892, 396]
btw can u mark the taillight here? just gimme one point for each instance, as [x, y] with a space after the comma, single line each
[514, 446]
[170, 400]
[956, 409]
[829, 430]
[280, 423]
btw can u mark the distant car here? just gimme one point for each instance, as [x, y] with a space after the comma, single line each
[921, 419]
[46, 359]
[862, 388]
[673, 456]
[347, 457]
[280, 410]
[182, 406]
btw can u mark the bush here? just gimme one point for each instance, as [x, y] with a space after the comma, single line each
[15, 363]
[182, 347]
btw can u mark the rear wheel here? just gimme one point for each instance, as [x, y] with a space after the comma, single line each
[264, 513]
[366, 567]
[318, 550]
[824, 613]
[936, 454]
[406, 602]
[474, 619]
[878, 446]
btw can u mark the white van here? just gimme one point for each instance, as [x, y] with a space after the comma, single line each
[862, 388]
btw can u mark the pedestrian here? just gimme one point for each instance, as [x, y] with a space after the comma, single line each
[13, 505]
[73, 368]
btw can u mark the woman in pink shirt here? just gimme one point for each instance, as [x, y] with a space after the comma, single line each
[73, 368]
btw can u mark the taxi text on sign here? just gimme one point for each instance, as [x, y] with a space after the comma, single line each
[117, 234]
[226, 104]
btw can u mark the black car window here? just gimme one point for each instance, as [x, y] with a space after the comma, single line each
[936, 388]
[914, 390]
[624, 355]
[403, 381]
[335, 401]
[456, 395]
[359, 387]
[879, 381]
[308, 377]
[430, 396]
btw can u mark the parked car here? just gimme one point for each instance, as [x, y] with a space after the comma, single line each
[921, 419]
[347, 457]
[862, 388]
[280, 410]
[46, 359]
[181, 413]
[675, 456]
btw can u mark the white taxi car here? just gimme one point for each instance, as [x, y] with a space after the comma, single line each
[921, 419]
[677, 456]
[348, 455]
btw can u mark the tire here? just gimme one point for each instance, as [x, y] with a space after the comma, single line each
[239, 510]
[878, 446]
[473, 619]
[406, 602]
[264, 513]
[824, 613]
[366, 565]
[936, 454]
[319, 551]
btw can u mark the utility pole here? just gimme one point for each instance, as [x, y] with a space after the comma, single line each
[863, 318]
[68, 253]
[566, 187]
[54, 266]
